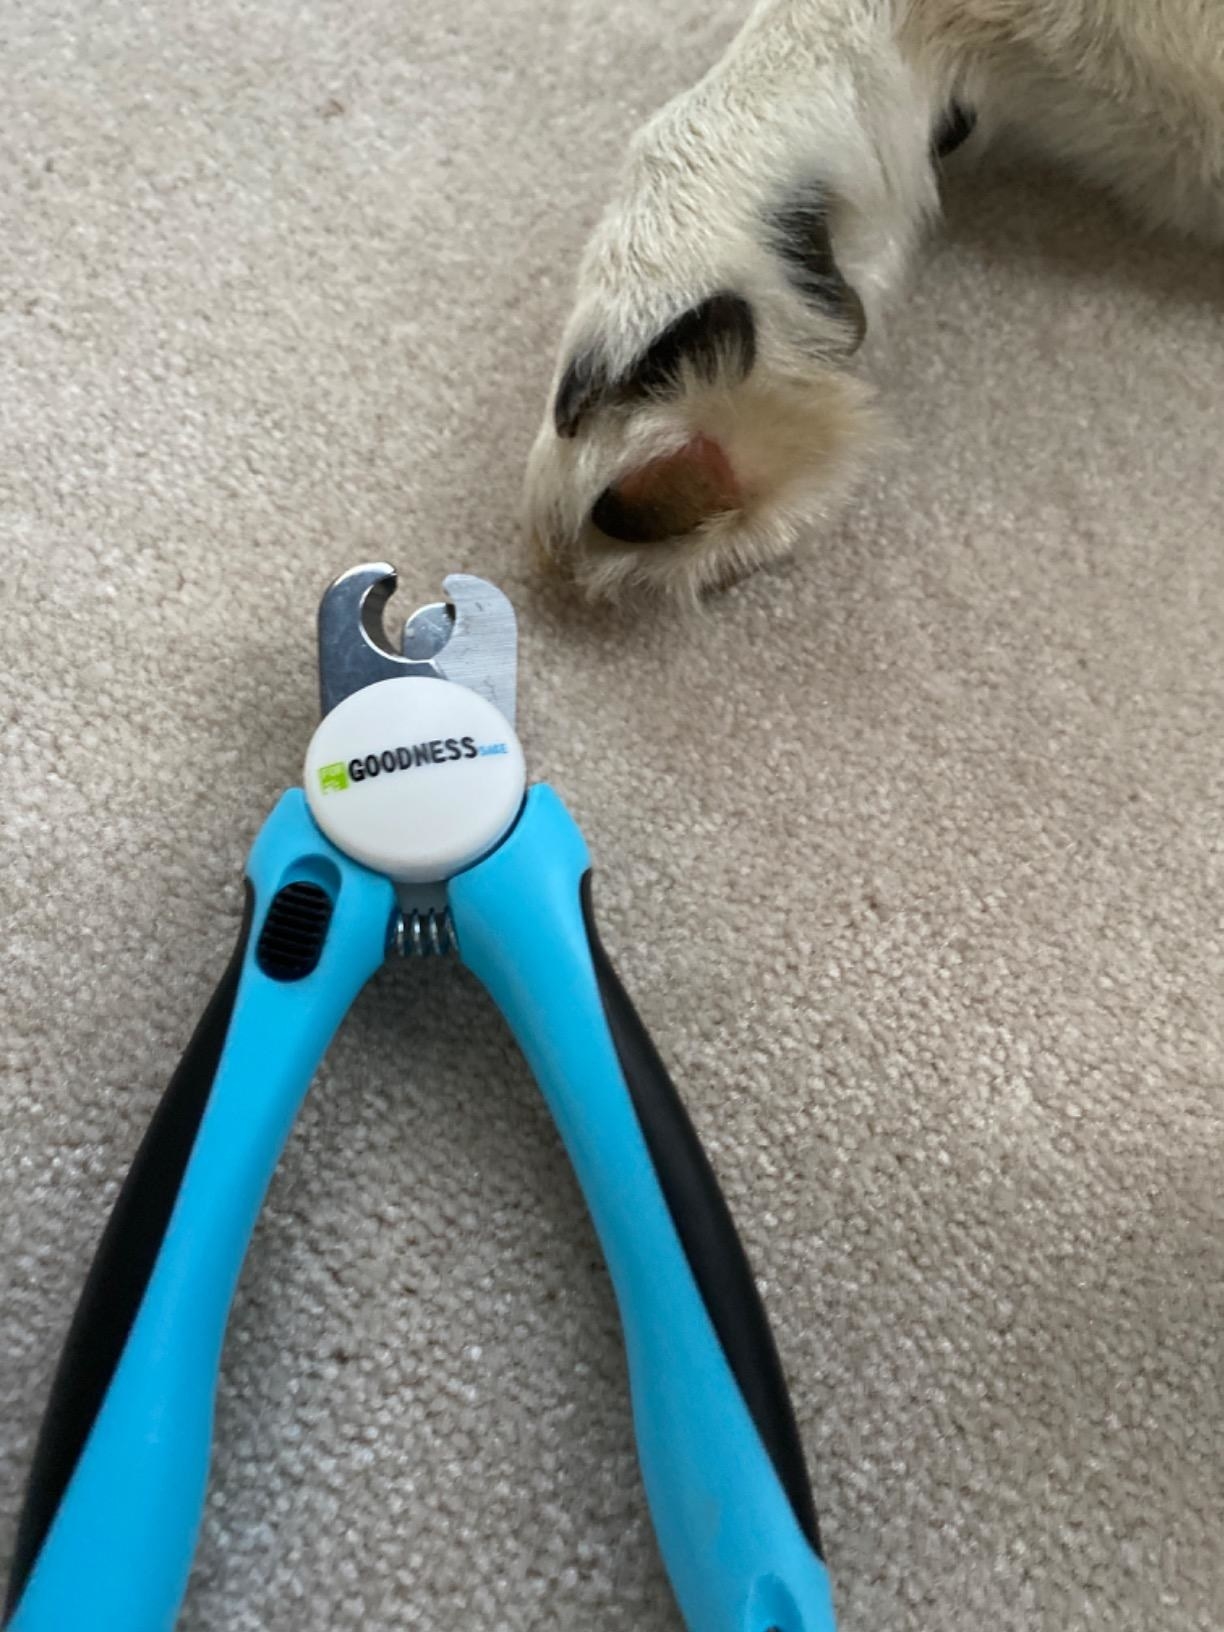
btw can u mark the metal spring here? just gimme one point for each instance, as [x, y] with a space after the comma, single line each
[429, 934]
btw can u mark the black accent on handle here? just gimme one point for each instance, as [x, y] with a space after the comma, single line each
[291, 941]
[119, 1274]
[707, 1233]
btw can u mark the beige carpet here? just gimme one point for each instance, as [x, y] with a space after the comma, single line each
[910, 852]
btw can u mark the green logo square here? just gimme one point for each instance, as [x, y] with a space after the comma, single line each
[333, 778]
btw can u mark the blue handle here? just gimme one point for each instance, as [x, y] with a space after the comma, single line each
[119, 1477]
[719, 1453]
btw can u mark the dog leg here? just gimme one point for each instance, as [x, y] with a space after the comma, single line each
[1128, 93]
[707, 404]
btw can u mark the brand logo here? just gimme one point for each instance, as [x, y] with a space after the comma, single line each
[335, 778]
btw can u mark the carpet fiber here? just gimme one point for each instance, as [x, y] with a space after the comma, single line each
[910, 851]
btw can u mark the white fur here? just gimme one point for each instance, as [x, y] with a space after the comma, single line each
[844, 93]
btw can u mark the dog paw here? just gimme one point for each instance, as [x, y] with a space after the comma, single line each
[706, 410]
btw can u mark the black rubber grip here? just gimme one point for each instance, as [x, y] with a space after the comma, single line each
[291, 941]
[119, 1274]
[707, 1234]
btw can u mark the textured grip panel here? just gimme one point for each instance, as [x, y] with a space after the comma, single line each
[291, 941]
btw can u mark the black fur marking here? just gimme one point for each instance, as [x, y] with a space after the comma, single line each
[584, 385]
[799, 233]
[956, 126]
[717, 338]
[718, 334]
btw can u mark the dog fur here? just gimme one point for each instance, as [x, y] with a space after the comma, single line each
[710, 406]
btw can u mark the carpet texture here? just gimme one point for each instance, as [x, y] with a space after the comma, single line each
[910, 852]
